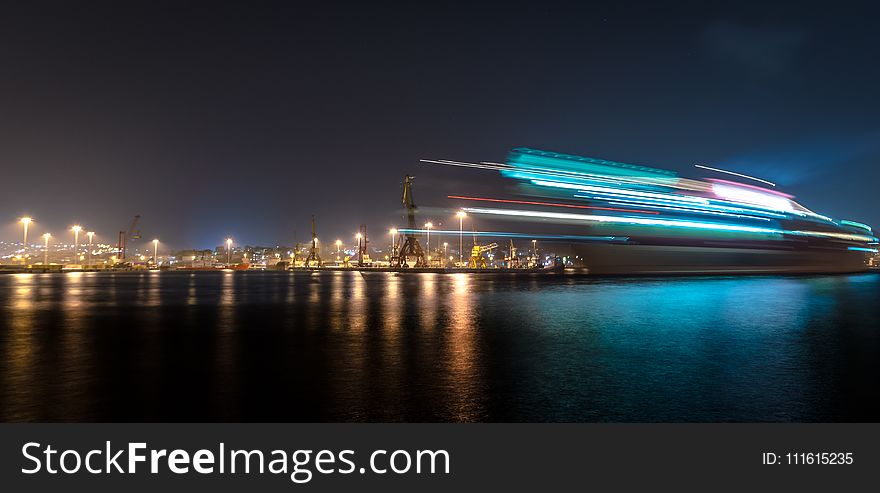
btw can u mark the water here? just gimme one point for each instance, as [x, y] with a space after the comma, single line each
[274, 346]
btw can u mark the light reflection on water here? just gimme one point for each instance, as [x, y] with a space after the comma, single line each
[344, 346]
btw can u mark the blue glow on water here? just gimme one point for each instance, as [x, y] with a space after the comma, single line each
[341, 346]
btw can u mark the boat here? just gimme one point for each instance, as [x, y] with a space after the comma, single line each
[619, 218]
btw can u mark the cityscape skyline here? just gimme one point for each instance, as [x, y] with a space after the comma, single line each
[244, 121]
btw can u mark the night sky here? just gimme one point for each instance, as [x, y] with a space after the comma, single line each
[212, 120]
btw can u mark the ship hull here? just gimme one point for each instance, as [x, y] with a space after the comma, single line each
[622, 259]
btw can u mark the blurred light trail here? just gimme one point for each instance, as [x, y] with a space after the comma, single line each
[505, 234]
[551, 204]
[753, 187]
[737, 194]
[735, 174]
[459, 163]
[860, 249]
[624, 192]
[673, 223]
[690, 210]
[627, 220]
[856, 225]
[650, 198]
[842, 236]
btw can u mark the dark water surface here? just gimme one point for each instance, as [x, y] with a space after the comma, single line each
[274, 346]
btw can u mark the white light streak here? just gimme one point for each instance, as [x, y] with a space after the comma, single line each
[735, 174]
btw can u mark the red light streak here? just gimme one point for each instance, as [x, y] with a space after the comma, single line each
[552, 204]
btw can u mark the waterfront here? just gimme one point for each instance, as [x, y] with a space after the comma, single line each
[345, 346]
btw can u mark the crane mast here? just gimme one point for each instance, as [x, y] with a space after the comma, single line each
[411, 247]
[314, 255]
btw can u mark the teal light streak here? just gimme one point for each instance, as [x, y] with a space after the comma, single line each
[856, 225]
[860, 249]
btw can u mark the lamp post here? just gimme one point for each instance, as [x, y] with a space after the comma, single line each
[228, 251]
[46, 237]
[535, 251]
[461, 215]
[338, 247]
[76, 229]
[90, 234]
[428, 226]
[156, 252]
[445, 249]
[393, 232]
[25, 221]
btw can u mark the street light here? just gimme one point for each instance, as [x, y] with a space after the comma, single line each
[393, 232]
[76, 229]
[338, 246]
[460, 215]
[46, 249]
[535, 250]
[428, 226]
[156, 252]
[25, 221]
[228, 251]
[90, 234]
[445, 249]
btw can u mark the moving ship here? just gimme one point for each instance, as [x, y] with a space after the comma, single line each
[619, 218]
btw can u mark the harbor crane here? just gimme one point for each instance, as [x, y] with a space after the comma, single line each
[478, 261]
[125, 236]
[314, 256]
[410, 249]
[512, 259]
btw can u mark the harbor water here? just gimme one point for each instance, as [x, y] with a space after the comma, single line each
[346, 346]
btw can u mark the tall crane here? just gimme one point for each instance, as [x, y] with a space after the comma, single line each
[124, 236]
[410, 247]
[512, 260]
[314, 255]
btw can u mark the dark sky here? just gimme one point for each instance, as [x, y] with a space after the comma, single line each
[213, 120]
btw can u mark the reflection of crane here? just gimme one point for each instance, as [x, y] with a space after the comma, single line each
[478, 261]
[313, 251]
[410, 247]
[124, 236]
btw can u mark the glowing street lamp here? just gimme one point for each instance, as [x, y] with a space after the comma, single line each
[228, 251]
[535, 251]
[90, 234]
[76, 229]
[338, 247]
[46, 237]
[460, 215]
[445, 249]
[428, 226]
[156, 252]
[393, 232]
[25, 221]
